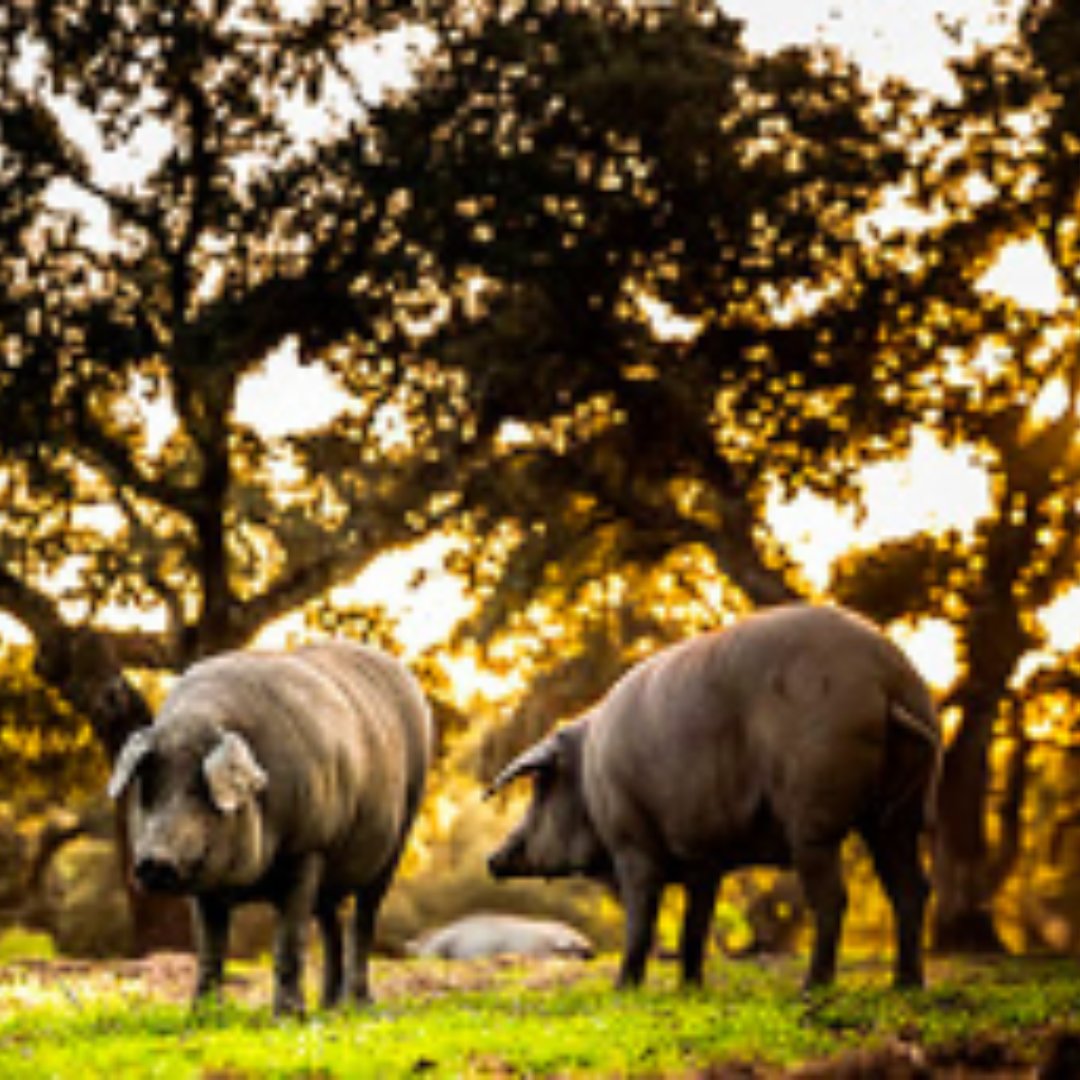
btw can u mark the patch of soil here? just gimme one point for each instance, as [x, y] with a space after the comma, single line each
[163, 977]
[169, 977]
[1053, 1055]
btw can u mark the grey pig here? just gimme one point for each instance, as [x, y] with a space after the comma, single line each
[762, 744]
[288, 777]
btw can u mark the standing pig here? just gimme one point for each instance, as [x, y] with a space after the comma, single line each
[766, 743]
[291, 778]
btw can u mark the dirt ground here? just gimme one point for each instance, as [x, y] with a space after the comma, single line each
[168, 977]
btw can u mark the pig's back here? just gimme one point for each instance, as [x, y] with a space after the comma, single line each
[692, 746]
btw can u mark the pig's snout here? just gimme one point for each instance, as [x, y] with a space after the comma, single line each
[158, 874]
[507, 861]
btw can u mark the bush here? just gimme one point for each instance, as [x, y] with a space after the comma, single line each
[89, 905]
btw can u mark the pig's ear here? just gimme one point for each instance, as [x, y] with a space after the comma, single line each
[542, 756]
[134, 752]
[232, 772]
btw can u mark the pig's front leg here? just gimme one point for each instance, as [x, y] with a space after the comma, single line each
[211, 919]
[295, 908]
[640, 887]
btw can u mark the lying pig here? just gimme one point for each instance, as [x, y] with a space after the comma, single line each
[490, 934]
[766, 743]
[286, 777]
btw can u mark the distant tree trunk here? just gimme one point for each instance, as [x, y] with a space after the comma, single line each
[967, 872]
[82, 665]
[963, 921]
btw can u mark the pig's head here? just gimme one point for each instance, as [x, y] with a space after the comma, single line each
[557, 837]
[193, 811]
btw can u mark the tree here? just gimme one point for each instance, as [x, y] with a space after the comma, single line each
[581, 175]
[1002, 172]
[238, 236]
[652, 284]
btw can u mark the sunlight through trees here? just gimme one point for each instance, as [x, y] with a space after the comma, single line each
[598, 298]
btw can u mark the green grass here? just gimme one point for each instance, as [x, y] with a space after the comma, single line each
[569, 1026]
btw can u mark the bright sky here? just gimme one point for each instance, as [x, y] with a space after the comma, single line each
[908, 38]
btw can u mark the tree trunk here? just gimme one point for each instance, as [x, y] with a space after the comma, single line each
[964, 884]
[82, 666]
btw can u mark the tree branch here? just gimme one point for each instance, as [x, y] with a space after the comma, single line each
[84, 664]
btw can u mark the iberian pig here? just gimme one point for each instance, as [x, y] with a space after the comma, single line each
[765, 743]
[492, 934]
[288, 777]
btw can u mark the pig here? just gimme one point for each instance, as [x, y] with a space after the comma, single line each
[490, 934]
[765, 743]
[287, 777]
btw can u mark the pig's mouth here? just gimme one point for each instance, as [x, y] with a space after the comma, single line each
[154, 874]
[509, 864]
[502, 866]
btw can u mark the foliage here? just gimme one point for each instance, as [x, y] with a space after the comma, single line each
[135, 302]
[17, 944]
[507, 217]
[47, 751]
[568, 1025]
[571, 231]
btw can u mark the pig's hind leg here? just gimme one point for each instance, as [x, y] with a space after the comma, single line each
[368, 899]
[333, 983]
[895, 850]
[820, 872]
[701, 888]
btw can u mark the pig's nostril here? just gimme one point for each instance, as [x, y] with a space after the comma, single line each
[157, 874]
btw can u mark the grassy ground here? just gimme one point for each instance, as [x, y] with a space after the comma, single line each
[440, 1019]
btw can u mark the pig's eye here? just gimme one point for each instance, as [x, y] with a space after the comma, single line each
[149, 778]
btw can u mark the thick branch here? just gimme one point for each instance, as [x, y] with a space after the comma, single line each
[349, 550]
[732, 543]
[83, 664]
[34, 609]
[115, 459]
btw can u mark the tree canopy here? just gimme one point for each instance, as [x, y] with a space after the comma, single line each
[166, 226]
